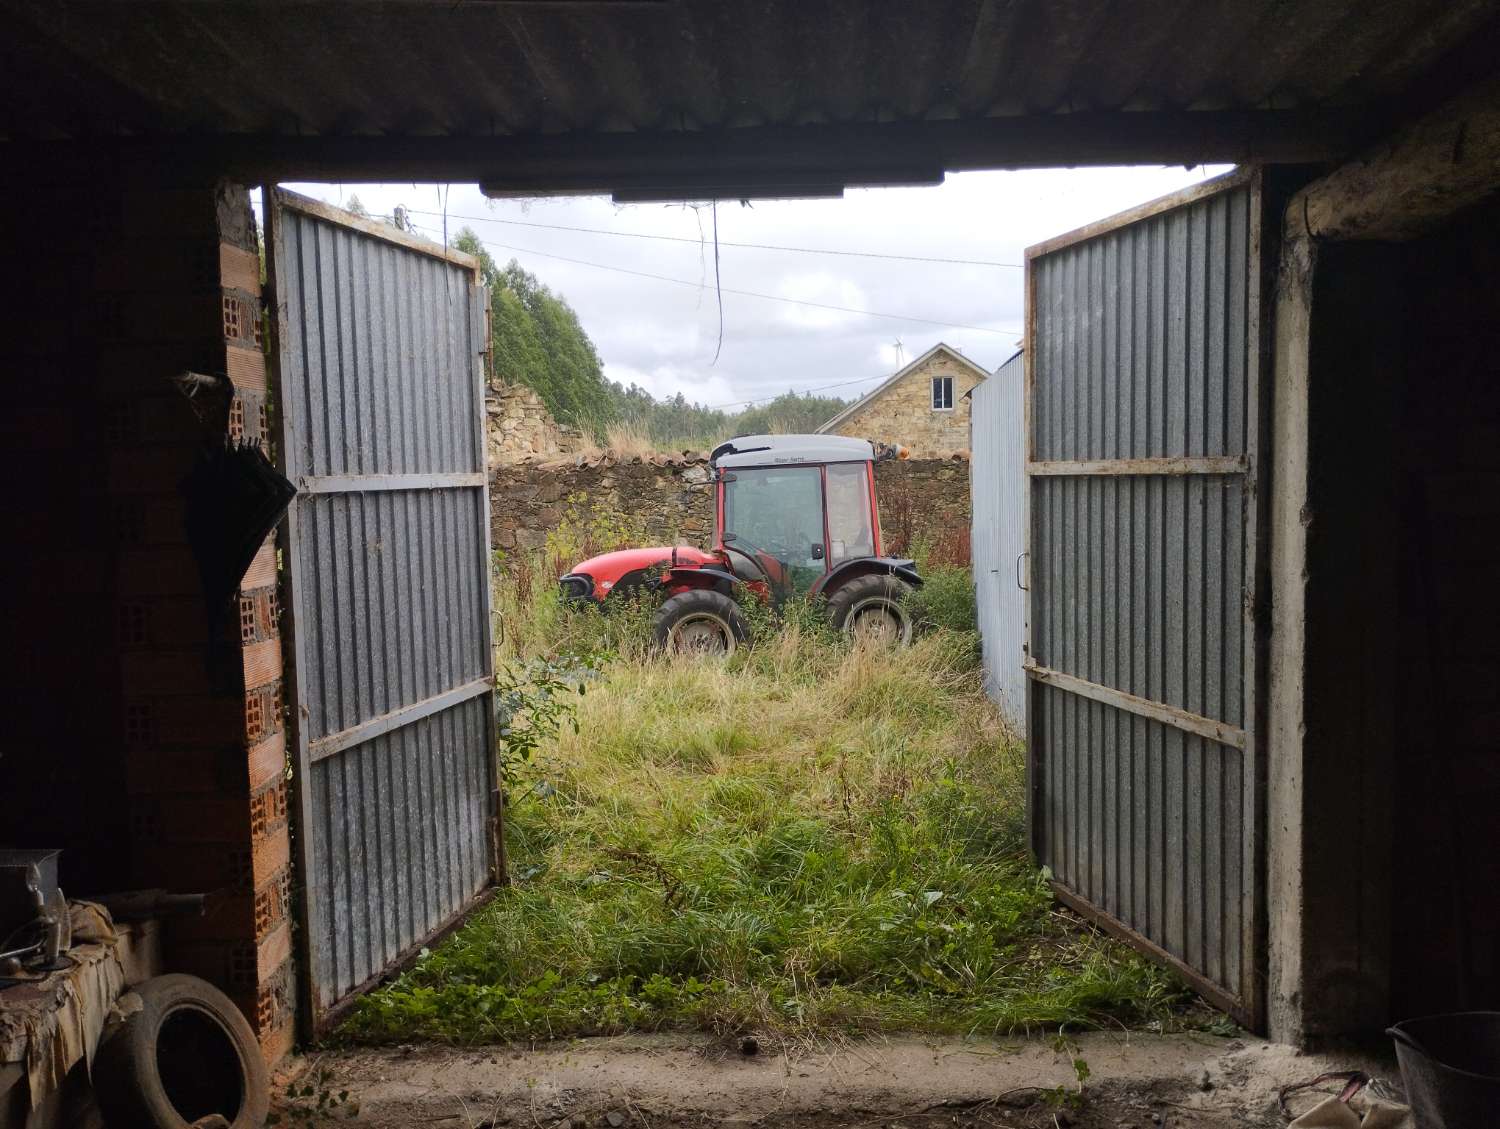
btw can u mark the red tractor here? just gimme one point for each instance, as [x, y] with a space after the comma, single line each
[794, 518]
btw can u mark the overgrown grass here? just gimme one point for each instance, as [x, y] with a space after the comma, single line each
[805, 838]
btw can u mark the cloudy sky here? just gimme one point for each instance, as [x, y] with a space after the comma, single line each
[663, 335]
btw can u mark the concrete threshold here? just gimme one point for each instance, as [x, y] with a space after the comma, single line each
[1182, 1081]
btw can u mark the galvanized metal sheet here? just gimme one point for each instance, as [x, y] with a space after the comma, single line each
[1144, 345]
[997, 485]
[386, 70]
[381, 397]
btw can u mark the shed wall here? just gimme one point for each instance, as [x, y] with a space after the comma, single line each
[1387, 890]
[1143, 363]
[997, 482]
[381, 393]
[142, 731]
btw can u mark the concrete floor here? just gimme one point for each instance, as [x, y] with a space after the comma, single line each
[662, 1082]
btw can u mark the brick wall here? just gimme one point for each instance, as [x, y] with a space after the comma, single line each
[671, 498]
[903, 412]
[149, 729]
[208, 780]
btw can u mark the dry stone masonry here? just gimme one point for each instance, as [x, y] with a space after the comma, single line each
[671, 497]
[519, 426]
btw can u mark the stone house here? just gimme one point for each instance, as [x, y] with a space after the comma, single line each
[924, 406]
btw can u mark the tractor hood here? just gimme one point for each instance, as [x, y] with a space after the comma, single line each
[607, 570]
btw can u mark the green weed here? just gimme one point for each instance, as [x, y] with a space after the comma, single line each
[807, 837]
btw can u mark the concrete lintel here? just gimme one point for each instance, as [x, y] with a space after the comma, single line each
[1412, 181]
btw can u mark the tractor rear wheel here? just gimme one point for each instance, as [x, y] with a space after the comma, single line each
[700, 622]
[873, 608]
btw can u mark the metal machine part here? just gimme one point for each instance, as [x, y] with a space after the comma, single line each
[35, 929]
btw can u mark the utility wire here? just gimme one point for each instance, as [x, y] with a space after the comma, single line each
[750, 293]
[804, 392]
[747, 246]
[718, 288]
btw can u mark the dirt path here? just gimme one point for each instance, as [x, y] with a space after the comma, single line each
[663, 1082]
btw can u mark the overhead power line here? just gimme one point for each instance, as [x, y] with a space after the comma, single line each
[750, 293]
[725, 243]
[805, 392]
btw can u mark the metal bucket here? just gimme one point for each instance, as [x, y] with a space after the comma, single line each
[1450, 1066]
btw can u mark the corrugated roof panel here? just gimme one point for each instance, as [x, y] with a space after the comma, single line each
[703, 98]
[419, 68]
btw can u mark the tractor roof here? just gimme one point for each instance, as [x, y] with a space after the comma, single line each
[761, 450]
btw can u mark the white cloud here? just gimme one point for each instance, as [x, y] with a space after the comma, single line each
[820, 289]
[664, 381]
[663, 334]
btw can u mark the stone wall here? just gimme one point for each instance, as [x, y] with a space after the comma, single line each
[519, 426]
[903, 412]
[925, 500]
[671, 499]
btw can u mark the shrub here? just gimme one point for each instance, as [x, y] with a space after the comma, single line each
[809, 837]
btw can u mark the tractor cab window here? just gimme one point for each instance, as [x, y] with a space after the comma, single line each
[850, 532]
[776, 515]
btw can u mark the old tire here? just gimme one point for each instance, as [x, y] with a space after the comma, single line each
[700, 622]
[187, 1053]
[873, 608]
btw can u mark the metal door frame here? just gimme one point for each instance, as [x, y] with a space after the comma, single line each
[311, 1022]
[1250, 1011]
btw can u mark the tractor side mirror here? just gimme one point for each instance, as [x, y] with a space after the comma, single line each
[816, 552]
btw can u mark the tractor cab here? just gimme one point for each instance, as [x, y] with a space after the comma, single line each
[790, 509]
[794, 518]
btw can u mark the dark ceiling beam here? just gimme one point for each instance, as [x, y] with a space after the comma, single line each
[847, 153]
[1414, 180]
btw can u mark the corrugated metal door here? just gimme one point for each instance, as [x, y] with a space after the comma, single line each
[997, 489]
[1144, 403]
[380, 341]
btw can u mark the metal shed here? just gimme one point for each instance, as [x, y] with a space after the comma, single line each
[998, 492]
[381, 379]
[1144, 401]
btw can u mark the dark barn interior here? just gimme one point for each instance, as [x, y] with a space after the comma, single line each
[1402, 676]
[144, 732]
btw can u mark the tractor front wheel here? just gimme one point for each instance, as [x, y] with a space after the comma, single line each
[874, 609]
[700, 622]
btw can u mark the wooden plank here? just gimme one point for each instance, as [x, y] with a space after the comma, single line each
[378, 483]
[1190, 195]
[1156, 711]
[1215, 994]
[328, 213]
[1214, 464]
[282, 361]
[1261, 260]
[325, 747]
[851, 152]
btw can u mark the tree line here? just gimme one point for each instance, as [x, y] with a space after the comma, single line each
[537, 340]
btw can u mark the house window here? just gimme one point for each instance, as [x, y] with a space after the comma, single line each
[942, 393]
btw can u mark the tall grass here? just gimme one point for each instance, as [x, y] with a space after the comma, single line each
[808, 837]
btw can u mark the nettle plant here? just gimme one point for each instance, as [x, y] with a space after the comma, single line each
[533, 701]
[588, 528]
